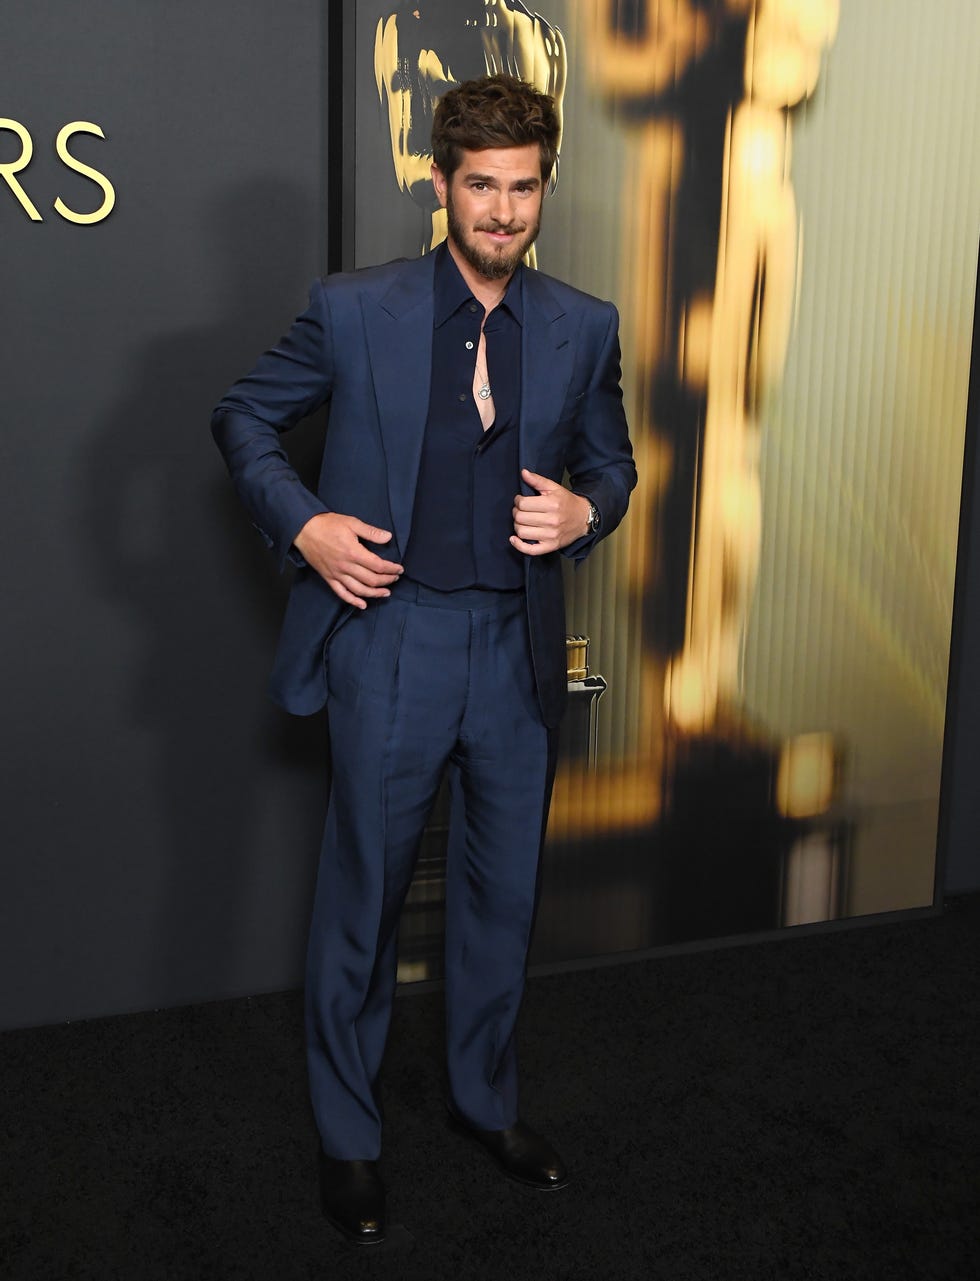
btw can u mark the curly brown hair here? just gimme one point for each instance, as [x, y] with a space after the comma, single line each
[494, 111]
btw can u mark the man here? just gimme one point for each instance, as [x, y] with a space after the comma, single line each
[427, 610]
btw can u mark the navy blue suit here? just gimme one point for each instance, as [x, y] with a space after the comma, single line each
[409, 690]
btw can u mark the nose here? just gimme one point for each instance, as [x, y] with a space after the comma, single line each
[502, 208]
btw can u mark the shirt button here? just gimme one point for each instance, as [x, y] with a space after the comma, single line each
[462, 396]
[469, 346]
[473, 308]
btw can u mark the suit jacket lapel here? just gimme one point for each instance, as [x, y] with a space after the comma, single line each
[546, 366]
[398, 325]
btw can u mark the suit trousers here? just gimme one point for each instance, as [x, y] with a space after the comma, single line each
[418, 682]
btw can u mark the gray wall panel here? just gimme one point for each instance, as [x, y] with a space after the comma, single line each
[159, 820]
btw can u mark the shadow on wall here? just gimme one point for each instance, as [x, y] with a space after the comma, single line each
[240, 785]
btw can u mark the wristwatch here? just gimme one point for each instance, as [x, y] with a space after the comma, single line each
[594, 518]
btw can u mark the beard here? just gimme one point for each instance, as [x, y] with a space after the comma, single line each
[491, 264]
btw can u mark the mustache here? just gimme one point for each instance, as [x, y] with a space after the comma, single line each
[512, 229]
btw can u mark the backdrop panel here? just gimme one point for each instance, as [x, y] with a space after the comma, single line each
[159, 823]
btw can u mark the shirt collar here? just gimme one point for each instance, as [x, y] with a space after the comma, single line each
[451, 291]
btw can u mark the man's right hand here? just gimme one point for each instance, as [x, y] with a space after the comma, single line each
[331, 544]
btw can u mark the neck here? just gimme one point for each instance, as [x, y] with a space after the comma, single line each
[487, 292]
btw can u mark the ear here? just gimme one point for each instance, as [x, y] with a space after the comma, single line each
[440, 184]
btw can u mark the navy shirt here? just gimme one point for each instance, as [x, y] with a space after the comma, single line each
[468, 477]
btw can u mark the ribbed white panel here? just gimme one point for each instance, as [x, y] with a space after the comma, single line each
[861, 445]
[862, 448]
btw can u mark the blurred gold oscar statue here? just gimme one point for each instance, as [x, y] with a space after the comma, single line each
[708, 303]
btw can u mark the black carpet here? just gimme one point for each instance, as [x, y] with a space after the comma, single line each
[796, 1109]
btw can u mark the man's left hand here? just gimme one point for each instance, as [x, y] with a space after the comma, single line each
[550, 519]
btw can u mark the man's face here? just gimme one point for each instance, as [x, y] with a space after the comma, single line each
[493, 207]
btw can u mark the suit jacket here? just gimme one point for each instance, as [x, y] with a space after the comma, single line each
[365, 344]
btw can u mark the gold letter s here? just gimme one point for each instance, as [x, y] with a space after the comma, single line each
[105, 209]
[10, 167]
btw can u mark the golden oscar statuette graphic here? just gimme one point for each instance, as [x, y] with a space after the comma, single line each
[708, 297]
[9, 170]
[422, 49]
[703, 94]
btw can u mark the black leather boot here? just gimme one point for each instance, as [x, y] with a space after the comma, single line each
[352, 1196]
[522, 1155]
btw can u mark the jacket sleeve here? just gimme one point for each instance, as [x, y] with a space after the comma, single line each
[289, 382]
[600, 458]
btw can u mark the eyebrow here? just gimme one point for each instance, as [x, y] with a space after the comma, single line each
[531, 180]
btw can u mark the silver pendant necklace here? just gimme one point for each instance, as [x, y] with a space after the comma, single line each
[483, 391]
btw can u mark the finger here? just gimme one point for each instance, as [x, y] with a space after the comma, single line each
[361, 556]
[362, 590]
[368, 567]
[546, 536]
[540, 520]
[536, 502]
[530, 529]
[361, 560]
[359, 580]
[541, 483]
[533, 549]
[369, 532]
[368, 579]
[346, 596]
